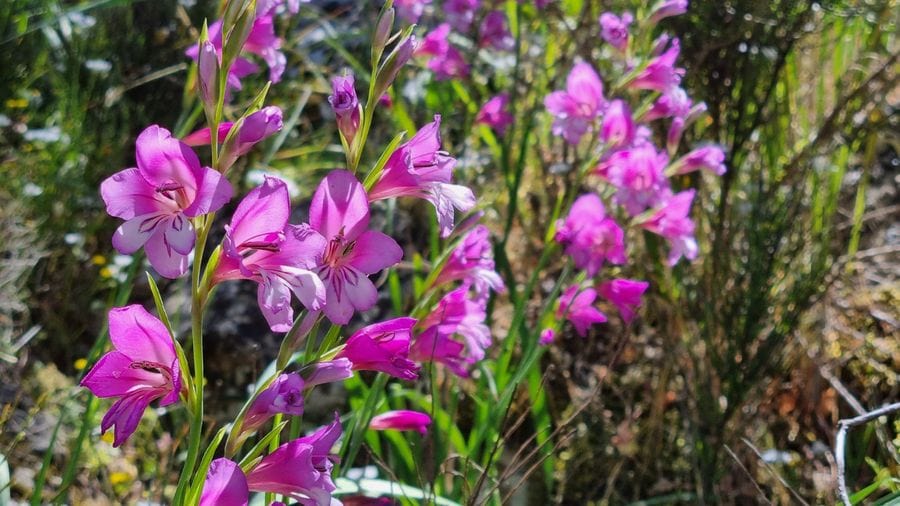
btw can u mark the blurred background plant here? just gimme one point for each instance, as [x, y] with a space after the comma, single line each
[727, 389]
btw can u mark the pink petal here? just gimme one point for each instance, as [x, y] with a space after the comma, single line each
[127, 194]
[340, 205]
[225, 485]
[585, 86]
[262, 214]
[166, 260]
[140, 336]
[125, 414]
[179, 234]
[274, 298]
[113, 376]
[374, 251]
[134, 233]
[213, 192]
[306, 285]
[163, 159]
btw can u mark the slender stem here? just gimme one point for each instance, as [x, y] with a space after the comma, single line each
[840, 441]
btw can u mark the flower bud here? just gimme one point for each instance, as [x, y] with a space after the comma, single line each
[393, 63]
[383, 30]
[284, 395]
[667, 9]
[207, 75]
[251, 130]
[401, 420]
[345, 105]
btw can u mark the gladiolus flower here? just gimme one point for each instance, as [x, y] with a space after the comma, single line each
[547, 337]
[143, 367]
[495, 114]
[576, 108]
[668, 8]
[589, 236]
[401, 420]
[711, 158]
[383, 347]
[614, 29]
[225, 485]
[255, 128]
[625, 294]
[157, 199]
[660, 74]
[638, 175]
[673, 222]
[328, 372]
[673, 102]
[340, 212]
[495, 32]
[456, 313]
[411, 10]
[261, 246]
[446, 61]
[617, 129]
[345, 105]
[300, 469]
[419, 168]
[460, 13]
[472, 262]
[284, 395]
[577, 306]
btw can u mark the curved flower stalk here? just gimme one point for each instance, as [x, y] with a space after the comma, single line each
[419, 168]
[142, 368]
[340, 212]
[261, 246]
[158, 199]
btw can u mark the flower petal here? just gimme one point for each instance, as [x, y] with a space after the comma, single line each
[113, 376]
[213, 192]
[127, 194]
[166, 260]
[226, 485]
[339, 206]
[134, 233]
[374, 251]
[125, 414]
[140, 336]
[163, 159]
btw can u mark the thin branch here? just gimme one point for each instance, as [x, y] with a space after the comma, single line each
[841, 439]
[762, 494]
[775, 474]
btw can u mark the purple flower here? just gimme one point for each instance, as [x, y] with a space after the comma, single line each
[576, 108]
[401, 420]
[638, 175]
[300, 469]
[225, 485]
[614, 29]
[261, 246]
[411, 10]
[673, 102]
[455, 314]
[328, 372]
[346, 106]
[158, 198]
[617, 129]
[660, 74]
[143, 367]
[419, 168]
[625, 294]
[340, 212]
[460, 13]
[547, 337]
[383, 347]
[472, 262]
[255, 128]
[668, 8]
[495, 32]
[577, 306]
[495, 113]
[711, 158]
[590, 237]
[672, 221]
[446, 61]
[284, 395]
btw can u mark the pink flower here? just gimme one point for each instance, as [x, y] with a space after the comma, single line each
[284, 395]
[225, 485]
[472, 262]
[638, 175]
[614, 29]
[158, 198]
[589, 236]
[261, 246]
[547, 337]
[328, 372]
[455, 314]
[383, 347]
[617, 129]
[495, 32]
[340, 212]
[495, 113]
[711, 158]
[143, 367]
[346, 106]
[460, 13]
[668, 8]
[255, 128]
[576, 108]
[419, 168]
[300, 469]
[672, 221]
[411, 10]
[625, 294]
[660, 74]
[401, 420]
[577, 306]
[673, 102]
[446, 61]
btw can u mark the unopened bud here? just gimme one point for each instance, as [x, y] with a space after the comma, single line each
[207, 75]
[393, 63]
